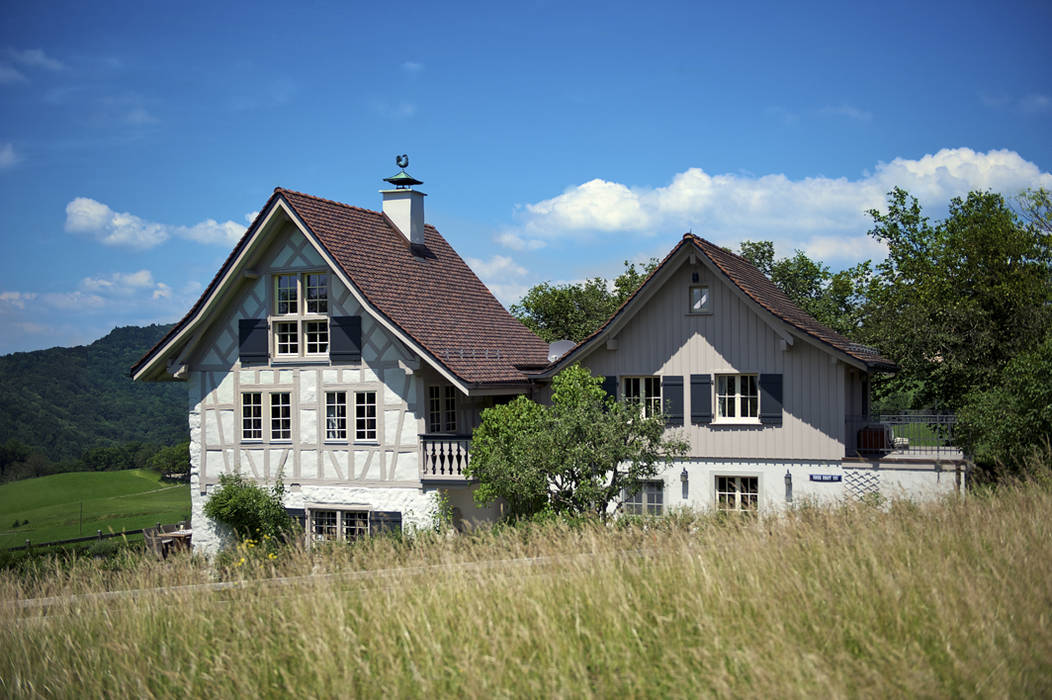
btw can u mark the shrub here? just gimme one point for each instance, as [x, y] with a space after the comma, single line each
[249, 509]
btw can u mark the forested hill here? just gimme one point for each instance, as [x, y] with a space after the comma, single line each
[64, 401]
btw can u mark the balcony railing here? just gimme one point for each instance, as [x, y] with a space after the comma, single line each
[444, 457]
[904, 435]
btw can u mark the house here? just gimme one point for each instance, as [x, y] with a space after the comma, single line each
[351, 352]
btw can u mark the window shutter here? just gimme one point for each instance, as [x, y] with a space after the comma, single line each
[345, 339]
[700, 399]
[771, 399]
[381, 521]
[252, 336]
[672, 400]
[610, 386]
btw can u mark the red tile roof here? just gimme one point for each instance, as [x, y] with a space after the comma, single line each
[431, 295]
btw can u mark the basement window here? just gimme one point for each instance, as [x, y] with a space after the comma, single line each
[737, 493]
[648, 499]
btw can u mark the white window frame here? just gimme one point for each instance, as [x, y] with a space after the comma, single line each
[265, 408]
[734, 497]
[310, 330]
[706, 295]
[336, 416]
[252, 411]
[648, 499]
[732, 402]
[339, 522]
[641, 390]
[361, 435]
[441, 409]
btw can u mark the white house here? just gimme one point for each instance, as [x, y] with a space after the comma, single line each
[351, 352]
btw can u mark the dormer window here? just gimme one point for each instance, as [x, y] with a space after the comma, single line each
[300, 322]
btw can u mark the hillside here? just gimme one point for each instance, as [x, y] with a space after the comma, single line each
[65, 400]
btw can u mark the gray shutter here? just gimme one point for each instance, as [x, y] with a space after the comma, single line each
[672, 400]
[771, 399]
[345, 339]
[700, 399]
[252, 335]
[385, 521]
[610, 386]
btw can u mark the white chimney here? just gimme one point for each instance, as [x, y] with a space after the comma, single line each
[403, 205]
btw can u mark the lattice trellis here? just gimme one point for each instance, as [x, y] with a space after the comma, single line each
[860, 484]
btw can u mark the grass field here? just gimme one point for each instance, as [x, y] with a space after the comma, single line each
[111, 502]
[947, 600]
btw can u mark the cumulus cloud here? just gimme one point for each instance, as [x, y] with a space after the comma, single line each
[16, 300]
[513, 242]
[825, 217]
[119, 283]
[35, 58]
[8, 156]
[86, 216]
[504, 277]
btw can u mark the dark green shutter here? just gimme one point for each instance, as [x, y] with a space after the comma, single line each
[700, 399]
[252, 337]
[345, 339]
[381, 521]
[771, 399]
[672, 400]
[610, 386]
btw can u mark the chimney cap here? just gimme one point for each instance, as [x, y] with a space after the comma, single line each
[402, 180]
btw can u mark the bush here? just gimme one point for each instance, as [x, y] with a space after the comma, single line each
[249, 509]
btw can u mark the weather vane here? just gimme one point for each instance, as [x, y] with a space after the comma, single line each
[402, 161]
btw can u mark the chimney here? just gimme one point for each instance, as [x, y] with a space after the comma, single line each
[403, 205]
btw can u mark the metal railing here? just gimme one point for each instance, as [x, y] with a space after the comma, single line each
[444, 457]
[905, 434]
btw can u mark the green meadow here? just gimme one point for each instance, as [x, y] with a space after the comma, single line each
[63, 506]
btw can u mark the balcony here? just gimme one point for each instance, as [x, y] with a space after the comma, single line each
[444, 457]
[902, 436]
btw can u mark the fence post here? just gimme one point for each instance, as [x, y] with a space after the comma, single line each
[27, 544]
[99, 533]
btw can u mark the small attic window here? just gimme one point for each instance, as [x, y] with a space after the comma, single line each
[699, 300]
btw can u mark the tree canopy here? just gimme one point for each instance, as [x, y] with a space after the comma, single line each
[577, 456]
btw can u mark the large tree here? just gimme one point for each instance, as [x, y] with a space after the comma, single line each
[955, 300]
[573, 311]
[577, 456]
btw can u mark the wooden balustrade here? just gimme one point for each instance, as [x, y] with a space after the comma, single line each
[444, 457]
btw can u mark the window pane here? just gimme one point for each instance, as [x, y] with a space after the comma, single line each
[317, 333]
[355, 525]
[365, 415]
[286, 337]
[281, 416]
[451, 410]
[699, 299]
[336, 415]
[285, 294]
[252, 416]
[434, 409]
[323, 524]
[317, 291]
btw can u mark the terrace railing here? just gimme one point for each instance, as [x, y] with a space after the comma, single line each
[444, 457]
[903, 435]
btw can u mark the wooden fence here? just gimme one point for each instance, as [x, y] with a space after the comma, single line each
[99, 536]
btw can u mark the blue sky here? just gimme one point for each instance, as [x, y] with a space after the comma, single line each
[555, 139]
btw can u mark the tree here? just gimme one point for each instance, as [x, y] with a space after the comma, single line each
[1005, 423]
[171, 460]
[954, 301]
[575, 311]
[249, 509]
[577, 456]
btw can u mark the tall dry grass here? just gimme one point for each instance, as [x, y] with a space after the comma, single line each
[951, 599]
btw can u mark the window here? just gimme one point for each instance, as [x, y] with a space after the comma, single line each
[441, 409]
[648, 499]
[252, 423]
[699, 300]
[737, 493]
[737, 397]
[301, 308]
[365, 415]
[335, 415]
[281, 416]
[338, 525]
[252, 416]
[646, 391]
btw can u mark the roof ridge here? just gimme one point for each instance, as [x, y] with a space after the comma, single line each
[286, 190]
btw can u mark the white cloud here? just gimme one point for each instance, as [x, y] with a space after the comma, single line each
[817, 214]
[412, 67]
[16, 299]
[1035, 104]
[119, 283]
[250, 217]
[140, 116]
[514, 242]
[393, 110]
[92, 218]
[8, 157]
[496, 266]
[72, 301]
[10, 74]
[35, 58]
[849, 112]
